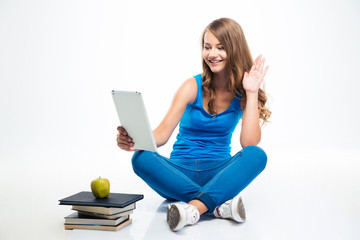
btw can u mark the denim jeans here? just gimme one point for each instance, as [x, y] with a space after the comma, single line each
[212, 186]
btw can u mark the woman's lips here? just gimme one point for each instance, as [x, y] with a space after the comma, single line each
[215, 62]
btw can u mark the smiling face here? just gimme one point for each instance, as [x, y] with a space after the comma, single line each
[214, 53]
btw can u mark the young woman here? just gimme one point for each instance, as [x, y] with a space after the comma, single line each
[200, 171]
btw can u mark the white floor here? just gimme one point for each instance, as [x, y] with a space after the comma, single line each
[312, 194]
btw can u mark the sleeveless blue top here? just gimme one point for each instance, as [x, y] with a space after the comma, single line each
[204, 139]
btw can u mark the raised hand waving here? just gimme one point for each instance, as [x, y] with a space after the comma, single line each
[253, 79]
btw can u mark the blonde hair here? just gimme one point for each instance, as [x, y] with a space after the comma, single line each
[239, 61]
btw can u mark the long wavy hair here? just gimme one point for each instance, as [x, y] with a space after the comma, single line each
[239, 61]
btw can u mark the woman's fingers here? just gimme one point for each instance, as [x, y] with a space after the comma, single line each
[125, 145]
[124, 139]
[246, 74]
[261, 67]
[123, 134]
[253, 68]
[265, 70]
[258, 62]
[121, 130]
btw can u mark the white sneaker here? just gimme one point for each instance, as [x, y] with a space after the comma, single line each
[180, 215]
[233, 209]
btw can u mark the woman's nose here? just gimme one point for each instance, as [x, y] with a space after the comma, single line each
[213, 53]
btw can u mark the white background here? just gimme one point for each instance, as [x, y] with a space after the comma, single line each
[59, 60]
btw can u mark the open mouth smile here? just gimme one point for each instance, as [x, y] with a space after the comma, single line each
[213, 61]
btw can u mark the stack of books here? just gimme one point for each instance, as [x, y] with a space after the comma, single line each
[111, 213]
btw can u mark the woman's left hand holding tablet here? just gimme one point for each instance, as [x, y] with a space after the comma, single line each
[124, 141]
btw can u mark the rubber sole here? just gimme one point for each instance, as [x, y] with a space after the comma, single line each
[173, 217]
[241, 210]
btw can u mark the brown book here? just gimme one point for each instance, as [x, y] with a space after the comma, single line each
[98, 227]
[103, 210]
[78, 218]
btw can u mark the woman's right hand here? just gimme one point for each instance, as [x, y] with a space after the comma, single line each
[124, 141]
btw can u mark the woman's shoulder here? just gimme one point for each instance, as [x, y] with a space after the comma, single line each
[189, 89]
[190, 83]
[194, 82]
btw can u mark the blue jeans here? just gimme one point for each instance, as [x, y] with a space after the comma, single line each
[212, 186]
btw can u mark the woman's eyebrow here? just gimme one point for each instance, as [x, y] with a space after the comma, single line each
[210, 44]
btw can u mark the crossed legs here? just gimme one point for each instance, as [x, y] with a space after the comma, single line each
[177, 183]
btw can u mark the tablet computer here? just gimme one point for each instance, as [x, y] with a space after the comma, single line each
[132, 114]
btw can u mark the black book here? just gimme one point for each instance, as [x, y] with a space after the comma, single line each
[116, 200]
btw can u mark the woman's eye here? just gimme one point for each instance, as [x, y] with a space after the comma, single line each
[221, 48]
[207, 48]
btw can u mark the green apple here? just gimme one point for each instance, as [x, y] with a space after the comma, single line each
[100, 187]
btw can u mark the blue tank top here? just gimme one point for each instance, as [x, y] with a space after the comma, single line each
[204, 139]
